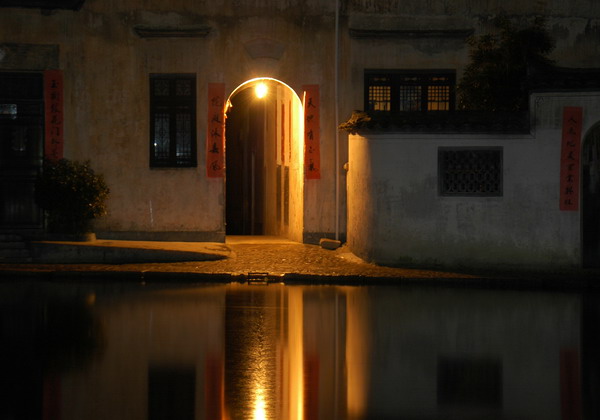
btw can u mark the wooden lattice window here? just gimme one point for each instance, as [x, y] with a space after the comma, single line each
[172, 120]
[403, 90]
[379, 96]
[470, 171]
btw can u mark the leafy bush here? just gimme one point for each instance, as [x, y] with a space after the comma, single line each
[71, 194]
[495, 79]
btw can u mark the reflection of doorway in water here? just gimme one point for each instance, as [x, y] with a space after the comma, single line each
[255, 343]
[590, 206]
[264, 177]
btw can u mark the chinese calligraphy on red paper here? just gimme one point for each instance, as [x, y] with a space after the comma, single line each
[569, 158]
[215, 136]
[312, 141]
[53, 113]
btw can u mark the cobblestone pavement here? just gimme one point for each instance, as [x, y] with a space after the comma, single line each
[275, 259]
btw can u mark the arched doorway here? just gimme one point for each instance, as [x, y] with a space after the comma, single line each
[264, 154]
[590, 204]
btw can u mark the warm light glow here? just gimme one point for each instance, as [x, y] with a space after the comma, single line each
[260, 412]
[261, 90]
[295, 151]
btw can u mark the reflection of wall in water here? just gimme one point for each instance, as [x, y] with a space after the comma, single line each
[324, 353]
[351, 352]
[173, 338]
[412, 340]
[183, 352]
[590, 355]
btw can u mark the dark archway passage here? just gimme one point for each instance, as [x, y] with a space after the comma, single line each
[590, 206]
[245, 153]
[264, 155]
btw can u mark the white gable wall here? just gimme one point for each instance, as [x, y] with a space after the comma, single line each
[396, 214]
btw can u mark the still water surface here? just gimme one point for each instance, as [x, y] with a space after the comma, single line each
[295, 352]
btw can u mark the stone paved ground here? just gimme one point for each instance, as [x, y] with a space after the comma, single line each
[276, 259]
[295, 262]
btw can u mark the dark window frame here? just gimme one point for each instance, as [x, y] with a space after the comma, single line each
[173, 105]
[423, 79]
[444, 172]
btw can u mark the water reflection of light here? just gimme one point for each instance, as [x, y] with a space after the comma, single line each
[260, 412]
[260, 377]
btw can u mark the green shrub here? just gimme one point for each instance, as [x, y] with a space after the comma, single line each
[496, 77]
[71, 194]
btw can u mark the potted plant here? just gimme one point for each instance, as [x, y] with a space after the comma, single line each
[72, 195]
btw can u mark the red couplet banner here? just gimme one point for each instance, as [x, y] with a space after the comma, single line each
[570, 384]
[214, 387]
[569, 158]
[312, 141]
[282, 134]
[53, 113]
[215, 136]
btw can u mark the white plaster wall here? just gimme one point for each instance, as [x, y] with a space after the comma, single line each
[396, 215]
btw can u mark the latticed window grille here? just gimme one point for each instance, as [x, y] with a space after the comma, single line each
[470, 172]
[438, 98]
[379, 94]
[410, 98]
[379, 98]
[183, 87]
[404, 90]
[183, 137]
[161, 136]
[172, 120]
[161, 87]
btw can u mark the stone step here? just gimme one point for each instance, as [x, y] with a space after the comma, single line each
[13, 245]
[13, 248]
[14, 254]
[10, 237]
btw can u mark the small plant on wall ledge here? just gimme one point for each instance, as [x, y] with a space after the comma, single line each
[72, 195]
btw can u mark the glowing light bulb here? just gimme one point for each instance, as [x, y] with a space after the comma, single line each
[261, 90]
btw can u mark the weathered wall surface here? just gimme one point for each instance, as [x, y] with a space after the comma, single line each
[398, 216]
[418, 35]
[574, 24]
[106, 66]
[398, 34]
